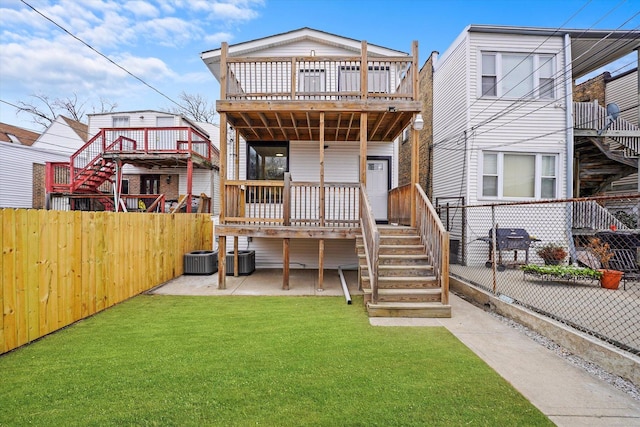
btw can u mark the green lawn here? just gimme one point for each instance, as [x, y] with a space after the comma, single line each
[274, 361]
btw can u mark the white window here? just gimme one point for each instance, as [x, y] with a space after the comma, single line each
[517, 75]
[311, 81]
[519, 175]
[120, 121]
[378, 79]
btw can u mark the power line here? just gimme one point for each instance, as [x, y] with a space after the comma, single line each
[102, 55]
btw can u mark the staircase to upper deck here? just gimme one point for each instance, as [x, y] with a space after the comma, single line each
[607, 150]
[407, 285]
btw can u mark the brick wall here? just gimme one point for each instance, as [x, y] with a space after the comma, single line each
[425, 93]
[591, 90]
[38, 187]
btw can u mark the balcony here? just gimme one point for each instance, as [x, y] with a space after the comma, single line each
[281, 98]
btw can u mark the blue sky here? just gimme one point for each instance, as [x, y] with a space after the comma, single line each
[160, 41]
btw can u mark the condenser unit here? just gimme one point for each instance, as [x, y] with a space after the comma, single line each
[201, 262]
[246, 262]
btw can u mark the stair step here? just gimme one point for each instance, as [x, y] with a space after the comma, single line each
[398, 259]
[410, 295]
[397, 229]
[408, 309]
[401, 249]
[403, 282]
[410, 270]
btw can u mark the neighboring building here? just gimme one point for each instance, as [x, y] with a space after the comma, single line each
[17, 135]
[159, 161]
[22, 175]
[63, 135]
[505, 127]
[315, 129]
[621, 89]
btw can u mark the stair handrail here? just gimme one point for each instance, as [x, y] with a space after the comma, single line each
[435, 239]
[591, 116]
[118, 142]
[592, 215]
[371, 241]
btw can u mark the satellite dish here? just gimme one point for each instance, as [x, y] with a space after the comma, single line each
[613, 111]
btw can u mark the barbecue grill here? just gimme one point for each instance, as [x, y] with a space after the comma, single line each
[508, 239]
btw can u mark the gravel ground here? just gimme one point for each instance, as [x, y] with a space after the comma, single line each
[595, 370]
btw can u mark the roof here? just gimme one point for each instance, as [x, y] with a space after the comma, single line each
[17, 135]
[212, 57]
[590, 49]
[81, 129]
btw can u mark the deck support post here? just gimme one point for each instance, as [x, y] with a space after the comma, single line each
[415, 136]
[363, 149]
[222, 262]
[321, 265]
[189, 184]
[236, 263]
[285, 264]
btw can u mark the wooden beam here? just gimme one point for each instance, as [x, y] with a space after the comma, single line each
[364, 71]
[223, 166]
[222, 262]
[377, 124]
[236, 263]
[250, 125]
[321, 264]
[322, 207]
[285, 135]
[292, 232]
[236, 157]
[285, 264]
[264, 120]
[295, 127]
[350, 127]
[363, 148]
[351, 106]
[309, 125]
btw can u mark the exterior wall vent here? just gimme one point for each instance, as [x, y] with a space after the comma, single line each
[201, 262]
[246, 262]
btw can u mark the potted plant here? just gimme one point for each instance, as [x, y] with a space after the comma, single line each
[552, 254]
[610, 279]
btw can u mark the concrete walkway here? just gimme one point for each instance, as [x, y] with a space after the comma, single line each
[568, 395]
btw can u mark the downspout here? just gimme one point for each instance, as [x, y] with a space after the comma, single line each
[568, 102]
[343, 282]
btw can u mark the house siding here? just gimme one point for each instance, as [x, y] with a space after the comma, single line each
[17, 171]
[59, 137]
[450, 101]
[623, 91]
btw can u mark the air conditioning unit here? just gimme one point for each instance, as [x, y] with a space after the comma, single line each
[201, 262]
[246, 262]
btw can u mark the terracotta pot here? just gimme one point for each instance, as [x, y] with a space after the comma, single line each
[610, 278]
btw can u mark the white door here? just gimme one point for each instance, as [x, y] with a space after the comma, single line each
[378, 187]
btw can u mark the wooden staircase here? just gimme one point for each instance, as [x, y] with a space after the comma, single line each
[407, 286]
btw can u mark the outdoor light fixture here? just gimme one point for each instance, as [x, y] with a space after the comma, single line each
[418, 123]
[168, 179]
[313, 52]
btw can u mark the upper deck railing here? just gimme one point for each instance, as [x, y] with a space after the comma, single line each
[332, 78]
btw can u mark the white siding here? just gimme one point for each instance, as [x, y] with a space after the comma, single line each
[59, 137]
[202, 181]
[16, 173]
[450, 101]
[529, 126]
[137, 119]
[624, 92]
[303, 252]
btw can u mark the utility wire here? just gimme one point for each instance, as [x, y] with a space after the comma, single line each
[102, 55]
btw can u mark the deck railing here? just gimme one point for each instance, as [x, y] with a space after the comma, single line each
[435, 239]
[319, 78]
[371, 241]
[291, 203]
[400, 205]
[591, 116]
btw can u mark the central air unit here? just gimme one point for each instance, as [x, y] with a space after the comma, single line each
[246, 262]
[201, 262]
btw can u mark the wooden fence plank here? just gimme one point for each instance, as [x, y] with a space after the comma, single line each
[8, 279]
[76, 266]
[32, 274]
[3, 346]
[22, 246]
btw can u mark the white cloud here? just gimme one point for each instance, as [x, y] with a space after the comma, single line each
[234, 10]
[217, 38]
[142, 9]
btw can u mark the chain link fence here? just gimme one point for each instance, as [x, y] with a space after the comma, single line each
[548, 256]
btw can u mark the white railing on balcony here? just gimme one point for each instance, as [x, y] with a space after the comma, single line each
[319, 78]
